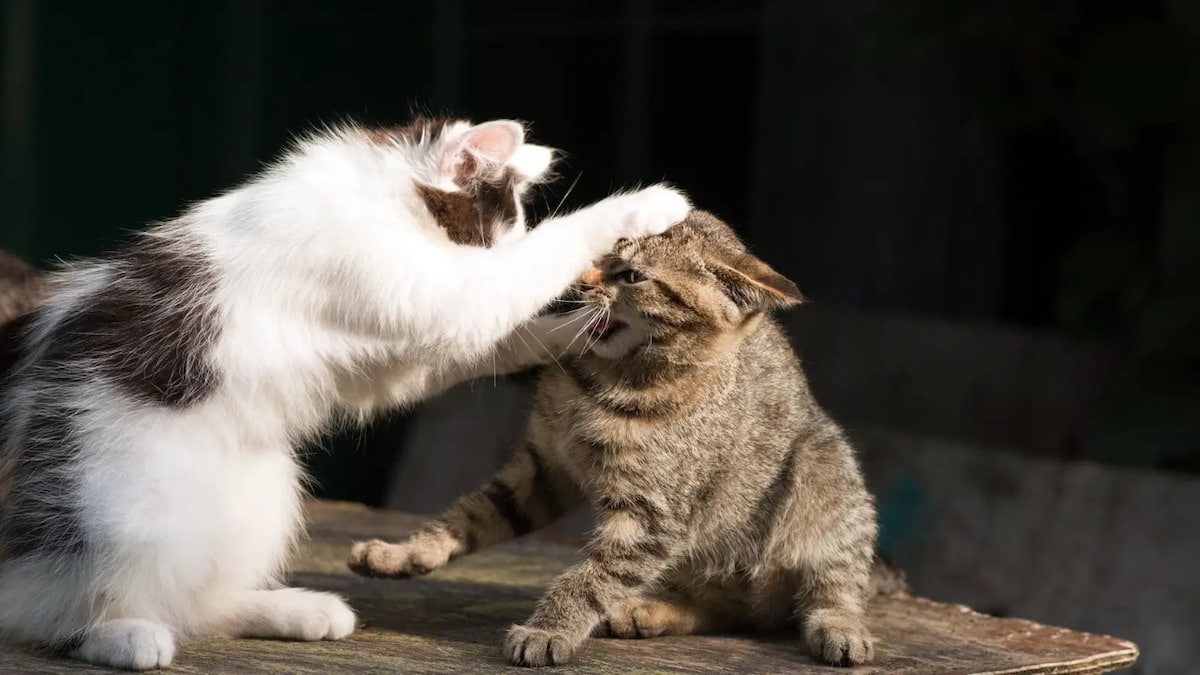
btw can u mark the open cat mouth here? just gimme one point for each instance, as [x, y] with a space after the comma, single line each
[604, 328]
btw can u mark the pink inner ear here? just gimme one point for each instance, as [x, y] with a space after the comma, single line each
[494, 142]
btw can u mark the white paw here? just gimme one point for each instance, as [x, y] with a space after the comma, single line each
[654, 210]
[294, 614]
[132, 644]
[311, 616]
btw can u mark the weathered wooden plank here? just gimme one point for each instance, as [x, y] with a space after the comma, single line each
[452, 621]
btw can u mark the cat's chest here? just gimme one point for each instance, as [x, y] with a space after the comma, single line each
[614, 460]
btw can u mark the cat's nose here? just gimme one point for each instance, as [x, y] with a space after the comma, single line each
[592, 277]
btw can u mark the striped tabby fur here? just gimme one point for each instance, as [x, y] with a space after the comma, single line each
[725, 497]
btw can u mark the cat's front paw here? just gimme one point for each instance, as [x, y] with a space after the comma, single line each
[534, 647]
[838, 638]
[131, 644]
[378, 558]
[654, 210]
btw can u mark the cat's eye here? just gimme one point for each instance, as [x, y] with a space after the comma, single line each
[629, 276]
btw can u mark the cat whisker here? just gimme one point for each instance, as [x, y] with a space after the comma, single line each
[582, 313]
[590, 317]
[566, 194]
[540, 344]
[596, 338]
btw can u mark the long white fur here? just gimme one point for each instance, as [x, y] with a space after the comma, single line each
[337, 293]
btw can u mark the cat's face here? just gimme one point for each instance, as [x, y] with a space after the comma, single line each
[685, 294]
[472, 178]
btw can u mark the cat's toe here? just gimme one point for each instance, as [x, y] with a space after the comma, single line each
[534, 647]
[838, 639]
[378, 558]
[339, 619]
[131, 644]
[638, 618]
[327, 618]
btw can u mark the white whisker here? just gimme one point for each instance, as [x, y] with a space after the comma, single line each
[566, 194]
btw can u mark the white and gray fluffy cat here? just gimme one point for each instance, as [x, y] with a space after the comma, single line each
[149, 489]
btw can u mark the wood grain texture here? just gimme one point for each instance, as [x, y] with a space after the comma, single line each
[452, 621]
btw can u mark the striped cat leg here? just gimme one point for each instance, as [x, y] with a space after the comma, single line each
[831, 605]
[633, 546]
[528, 493]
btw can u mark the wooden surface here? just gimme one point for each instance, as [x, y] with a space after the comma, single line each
[452, 622]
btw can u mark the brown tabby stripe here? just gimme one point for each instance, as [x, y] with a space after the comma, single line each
[703, 497]
[594, 602]
[642, 509]
[470, 537]
[653, 547]
[675, 297]
[543, 485]
[772, 500]
[627, 579]
[505, 501]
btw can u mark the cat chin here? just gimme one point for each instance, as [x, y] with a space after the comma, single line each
[618, 344]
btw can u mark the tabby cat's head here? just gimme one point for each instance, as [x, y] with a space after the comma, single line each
[684, 294]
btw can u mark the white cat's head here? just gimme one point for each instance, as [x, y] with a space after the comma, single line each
[472, 177]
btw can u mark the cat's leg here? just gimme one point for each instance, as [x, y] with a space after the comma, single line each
[528, 493]
[634, 544]
[537, 342]
[291, 614]
[831, 606]
[493, 291]
[49, 599]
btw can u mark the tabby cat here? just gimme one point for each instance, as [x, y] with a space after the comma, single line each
[725, 497]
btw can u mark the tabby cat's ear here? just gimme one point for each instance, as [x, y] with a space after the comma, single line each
[755, 287]
[481, 150]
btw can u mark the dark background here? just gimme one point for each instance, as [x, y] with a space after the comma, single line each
[993, 204]
[1020, 165]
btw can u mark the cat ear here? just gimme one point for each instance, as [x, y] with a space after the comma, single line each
[481, 149]
[755, 287]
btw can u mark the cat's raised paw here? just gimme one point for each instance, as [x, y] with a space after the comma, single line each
[377, 558]
[654, 210]
[132, 644]
[534, 647]
[838, 638]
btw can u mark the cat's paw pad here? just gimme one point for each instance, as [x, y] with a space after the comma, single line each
[534, 647]
[838, 639]
[131, 644]
[654, 210]
[641, 618]
[378, 558]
